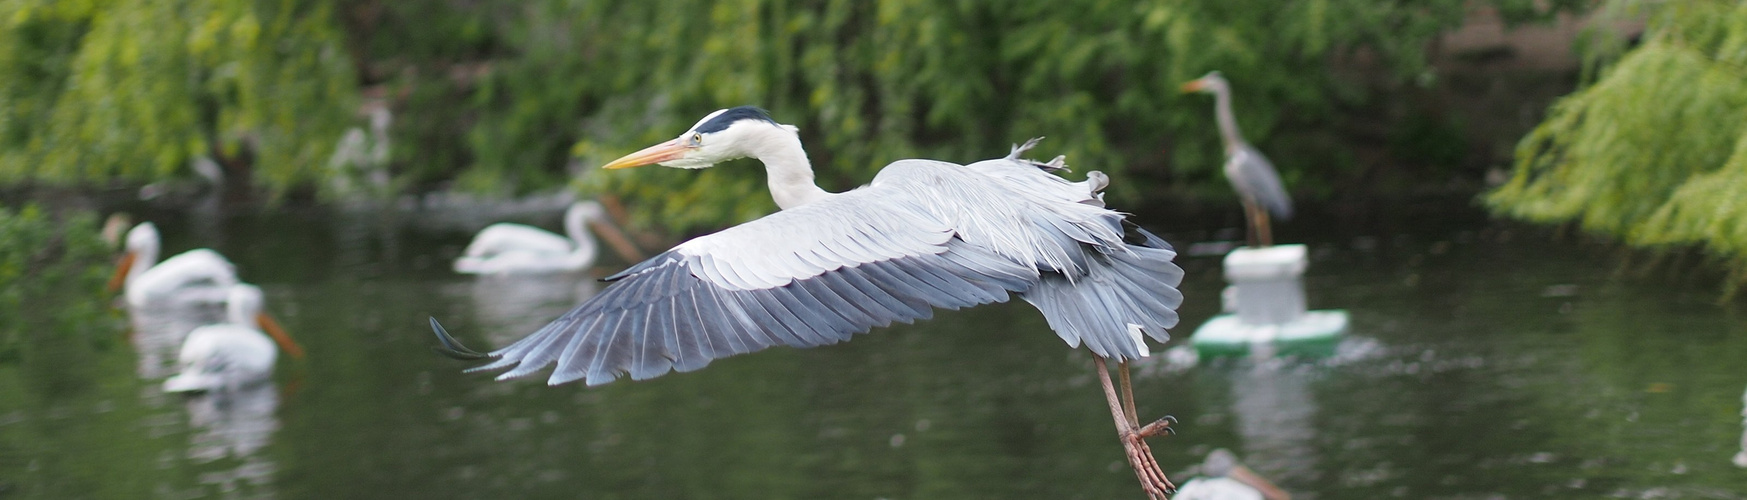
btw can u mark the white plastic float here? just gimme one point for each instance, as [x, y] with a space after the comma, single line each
[1265, 308]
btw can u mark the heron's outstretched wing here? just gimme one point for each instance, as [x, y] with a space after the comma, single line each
[1255, 178]
[806, 276]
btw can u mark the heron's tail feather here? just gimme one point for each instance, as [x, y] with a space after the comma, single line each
[1123, 296]
[1060, 162]
[451, 347]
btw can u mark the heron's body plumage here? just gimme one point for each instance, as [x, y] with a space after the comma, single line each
[923, 235]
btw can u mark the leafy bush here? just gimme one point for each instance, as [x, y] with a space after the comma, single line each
[51, 278]
[93, 90]
[1655, 151]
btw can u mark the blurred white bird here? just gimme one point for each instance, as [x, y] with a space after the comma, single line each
[505, 248]
[1741, 458]
[195, 276]
[1227, 479]
[235, 353]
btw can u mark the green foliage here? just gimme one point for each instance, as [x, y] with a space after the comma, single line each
[97, 89]
[509, 96]
[872, 82]
[1655, 151]
[46, 259]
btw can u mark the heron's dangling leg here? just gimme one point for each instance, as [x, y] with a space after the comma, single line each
[1158, 427]
[1127, 394]
[1140, 457]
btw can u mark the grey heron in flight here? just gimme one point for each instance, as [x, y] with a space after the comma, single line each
[1258, 185]
[923, 235]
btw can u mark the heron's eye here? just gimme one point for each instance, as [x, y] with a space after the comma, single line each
[697, 139]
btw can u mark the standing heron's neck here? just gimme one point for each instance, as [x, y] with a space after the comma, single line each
[786, 168]
[1227, 122]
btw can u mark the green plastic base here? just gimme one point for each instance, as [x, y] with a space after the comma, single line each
[1314, 334]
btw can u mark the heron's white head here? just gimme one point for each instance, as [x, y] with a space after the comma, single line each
[1211, 83]
[726, 134]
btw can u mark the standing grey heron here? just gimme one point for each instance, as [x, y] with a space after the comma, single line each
[923, 235]
[1258, 185]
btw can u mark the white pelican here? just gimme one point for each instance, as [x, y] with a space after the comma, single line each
[506, 248]
[195, 276]
[1227, 479]
[234, 353]
[924, 234]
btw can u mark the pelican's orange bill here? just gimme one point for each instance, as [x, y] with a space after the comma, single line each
[1194, 85]
[284, 339]
[1262, 485]
[122, 266]
[653, 154]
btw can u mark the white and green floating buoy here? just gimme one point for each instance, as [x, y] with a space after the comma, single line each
[1265, 309]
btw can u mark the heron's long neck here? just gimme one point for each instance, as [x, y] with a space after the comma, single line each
[786, 168]
[1227, 122]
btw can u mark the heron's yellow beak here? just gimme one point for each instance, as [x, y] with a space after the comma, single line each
[1194, 85]
[122, 266]
[278, 333]
[658, 153]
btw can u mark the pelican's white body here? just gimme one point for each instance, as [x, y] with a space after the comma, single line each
[195, 276]
[227, 355]
[1217, 488]
[506, 248]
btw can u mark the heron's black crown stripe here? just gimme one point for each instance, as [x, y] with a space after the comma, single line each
[722, 121]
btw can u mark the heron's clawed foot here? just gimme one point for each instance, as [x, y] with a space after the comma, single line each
[451, 347]
[1159, 427]
[1146, 468]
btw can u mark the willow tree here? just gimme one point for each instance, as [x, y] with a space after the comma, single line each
[93, 90]
[871, 82]
[1655, 150]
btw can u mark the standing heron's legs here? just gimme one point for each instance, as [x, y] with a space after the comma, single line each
[1264, 233]
[1250, 224]
[1140, 457]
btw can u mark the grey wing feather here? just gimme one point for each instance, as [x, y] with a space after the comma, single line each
[1104, 281]
[747, 288]
[923, 235]
[1255, 178]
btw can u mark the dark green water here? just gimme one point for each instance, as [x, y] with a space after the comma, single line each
[1485, 361]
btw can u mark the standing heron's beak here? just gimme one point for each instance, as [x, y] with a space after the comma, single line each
[1262, 485]
[284, 339]
[1194, 85]
[658, 153]
[122, 266]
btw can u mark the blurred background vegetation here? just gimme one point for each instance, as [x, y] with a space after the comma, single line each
[49, 259]
[1654, 150]
[506, 97]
